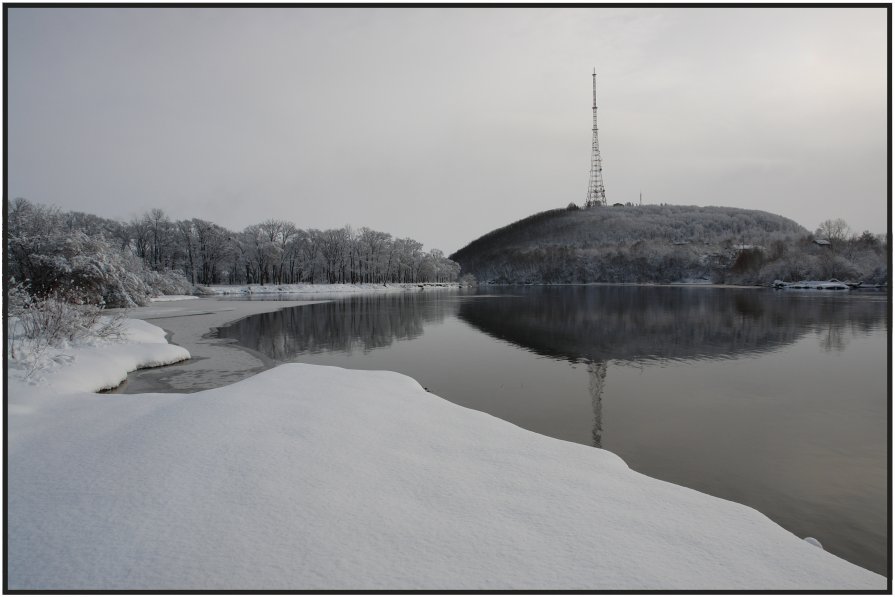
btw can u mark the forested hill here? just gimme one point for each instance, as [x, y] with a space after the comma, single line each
[654, 243]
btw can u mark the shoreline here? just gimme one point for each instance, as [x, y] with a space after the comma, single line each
[214, 362]
[230, 304]
[335, 289]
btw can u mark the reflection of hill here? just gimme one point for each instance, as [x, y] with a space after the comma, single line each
[356, 323]
[635, 323]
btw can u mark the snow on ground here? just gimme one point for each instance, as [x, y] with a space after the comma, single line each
[811, 285]
[171, 297]
[311, 477]
[90, 365]
[322, 288]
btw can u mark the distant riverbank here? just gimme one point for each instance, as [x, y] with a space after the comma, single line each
[250, 289]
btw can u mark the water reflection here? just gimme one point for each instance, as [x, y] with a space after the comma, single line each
[362, 323]
[636, 325]
[597, 376]
[597, 324]
[592, 324]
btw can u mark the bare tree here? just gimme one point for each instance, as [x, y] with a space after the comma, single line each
[836, 231]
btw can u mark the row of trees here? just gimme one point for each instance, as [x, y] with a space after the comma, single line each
[860, 258]
[278, 252]
[124, 262]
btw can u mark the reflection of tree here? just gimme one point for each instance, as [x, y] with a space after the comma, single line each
[362, 322]
[841, 321]
[629, 323]
[597, 373]
[580, 323]
[832, 337]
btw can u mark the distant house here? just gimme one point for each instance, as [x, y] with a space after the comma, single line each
[822, 242]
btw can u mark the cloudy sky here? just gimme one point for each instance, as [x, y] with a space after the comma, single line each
[442, 124]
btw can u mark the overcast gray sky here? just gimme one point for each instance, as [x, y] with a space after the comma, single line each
[442, 124]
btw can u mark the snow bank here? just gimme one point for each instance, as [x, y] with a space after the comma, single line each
[322, 288]
[811, 285]
[310, 477]
[92, 365]
[171, 297]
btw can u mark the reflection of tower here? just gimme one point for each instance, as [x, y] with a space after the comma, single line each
[596, 193]
[833, 338]
[597, 372]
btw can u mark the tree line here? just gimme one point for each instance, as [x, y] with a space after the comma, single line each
[278, 252]
[122, 261]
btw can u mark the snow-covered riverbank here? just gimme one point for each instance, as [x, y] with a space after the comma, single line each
[309, 477]
[90, 365]
[258, 289]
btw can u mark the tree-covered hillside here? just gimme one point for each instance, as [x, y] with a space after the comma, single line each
[664, 243]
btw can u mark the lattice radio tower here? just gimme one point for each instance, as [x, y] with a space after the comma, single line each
[596, 192]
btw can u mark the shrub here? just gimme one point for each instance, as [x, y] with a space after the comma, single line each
[167, 282]
[468, 280]
[748, 260]
[57, 261]
[53, 321]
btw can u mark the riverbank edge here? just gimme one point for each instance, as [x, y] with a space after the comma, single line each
[275, 289]
[194, 324]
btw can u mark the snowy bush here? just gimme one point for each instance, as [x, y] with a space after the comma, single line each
[169, 282]
[55, 258]
[200, 290]
[468, 280]
[55, 321]
[59, 318]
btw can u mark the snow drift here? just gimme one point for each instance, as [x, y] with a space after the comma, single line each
[310, 477]
[92, 364]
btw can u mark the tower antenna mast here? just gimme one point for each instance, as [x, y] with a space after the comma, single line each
[596, 192]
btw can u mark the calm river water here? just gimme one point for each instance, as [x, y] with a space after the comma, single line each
[774, 399]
